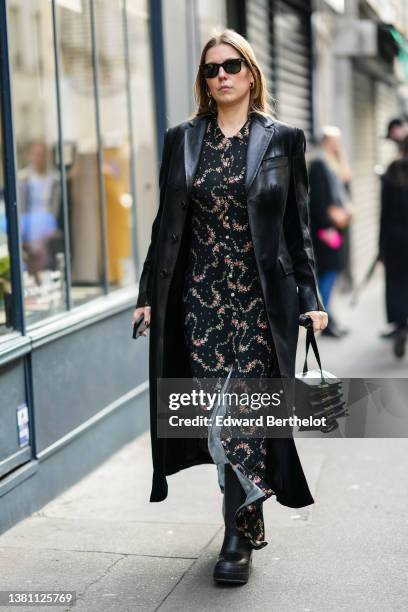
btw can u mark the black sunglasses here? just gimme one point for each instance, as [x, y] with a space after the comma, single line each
[231, 66]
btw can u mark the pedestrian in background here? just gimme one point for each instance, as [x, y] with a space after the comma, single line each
[229, 270]
[330, 214]
[397, 131]
[393, 245]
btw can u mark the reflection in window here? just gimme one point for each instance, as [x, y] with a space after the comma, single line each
[5, 278]
[38, 173]
[115, 141]
[144, 137]
[79, 129]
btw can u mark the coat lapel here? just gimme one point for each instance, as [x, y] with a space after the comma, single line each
[259, 138]
[193, 140]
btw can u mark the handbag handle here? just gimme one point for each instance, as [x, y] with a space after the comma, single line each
[307, 322]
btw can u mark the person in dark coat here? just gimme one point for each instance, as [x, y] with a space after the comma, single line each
[229, 270]
[393, 245]
[330, 214]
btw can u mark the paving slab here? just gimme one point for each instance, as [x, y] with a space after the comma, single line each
[119, 489]
[346, 552]
[120, 537]
[102, 581]
[352, 556]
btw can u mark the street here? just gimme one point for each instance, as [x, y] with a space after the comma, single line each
[348, 551]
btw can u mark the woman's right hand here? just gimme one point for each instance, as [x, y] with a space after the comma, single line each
[146, 311]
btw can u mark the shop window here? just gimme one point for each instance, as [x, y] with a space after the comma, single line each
[114, 125]
[88, 199]
[38, 172]
[5, 272]
[74, 35]
[143, 120]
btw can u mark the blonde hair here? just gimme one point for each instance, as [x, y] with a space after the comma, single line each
[329, 131]
[259, 95]
[338, 162]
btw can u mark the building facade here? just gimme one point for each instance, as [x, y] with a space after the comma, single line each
[359, 86]
[79, 156]
[87, 89]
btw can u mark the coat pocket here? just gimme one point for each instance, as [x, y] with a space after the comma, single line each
[274, 162]
[286, 264]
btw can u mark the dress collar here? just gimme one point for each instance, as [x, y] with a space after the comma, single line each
[218, 133]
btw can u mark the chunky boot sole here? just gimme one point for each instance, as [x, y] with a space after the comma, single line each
[235, 559]
[224, 574]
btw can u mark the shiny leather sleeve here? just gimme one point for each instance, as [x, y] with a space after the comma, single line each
[296, 227]
[144, 296]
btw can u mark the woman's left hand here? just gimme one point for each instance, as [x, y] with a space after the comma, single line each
[319, 318]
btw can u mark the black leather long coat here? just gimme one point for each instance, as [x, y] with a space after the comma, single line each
[277, 199]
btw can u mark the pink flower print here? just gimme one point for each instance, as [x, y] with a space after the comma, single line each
[260, 339]
[237, 178]
[198, 277]
[220, 358]
[250, 366]
[210, 236]
[245, 447]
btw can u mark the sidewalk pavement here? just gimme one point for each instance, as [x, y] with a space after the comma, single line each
[349, 551]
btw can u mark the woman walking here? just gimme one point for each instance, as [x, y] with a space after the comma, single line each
[229, 270]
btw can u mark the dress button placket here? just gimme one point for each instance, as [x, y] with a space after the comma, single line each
[226, 217]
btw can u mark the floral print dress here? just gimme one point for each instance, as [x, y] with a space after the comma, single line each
[225, 321]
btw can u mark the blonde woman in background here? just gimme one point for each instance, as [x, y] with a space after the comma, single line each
[331, 212]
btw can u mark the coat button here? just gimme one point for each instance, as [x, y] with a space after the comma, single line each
[174, 237]
[163, 273]
[183, 203]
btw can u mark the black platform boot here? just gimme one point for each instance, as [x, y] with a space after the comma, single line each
[235, 558]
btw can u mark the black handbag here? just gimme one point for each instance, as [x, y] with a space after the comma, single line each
[318, 393]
